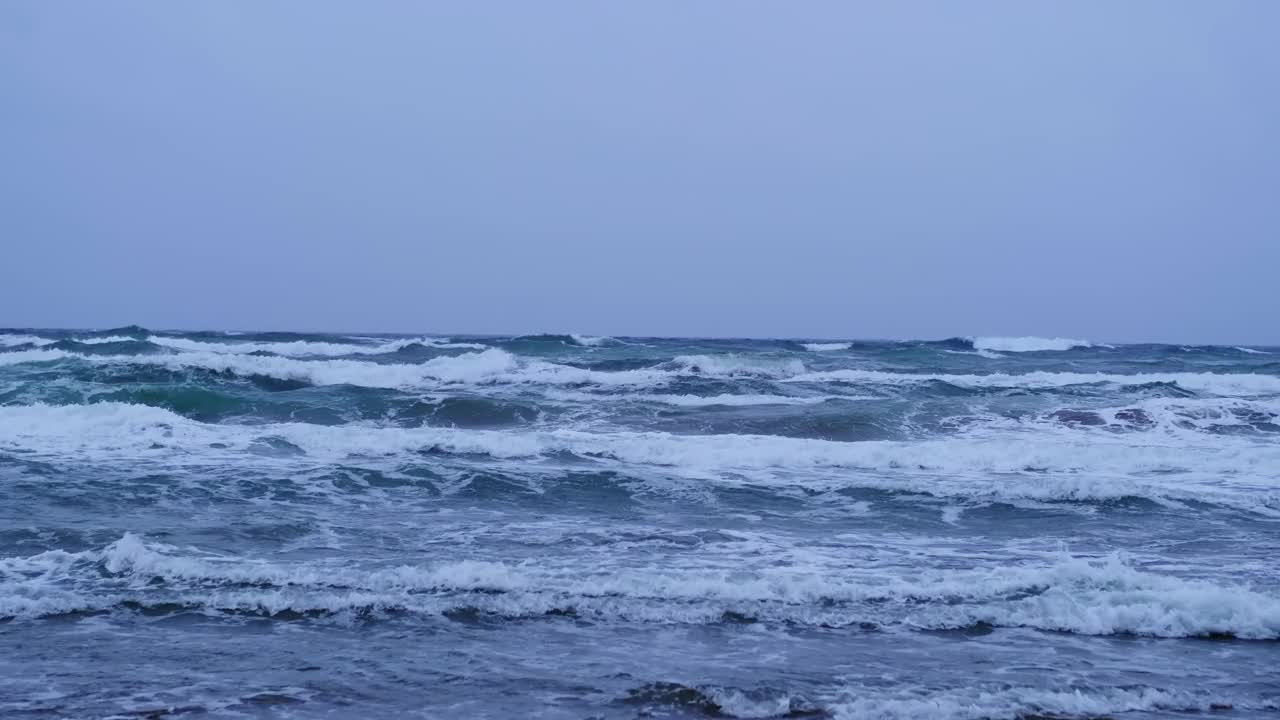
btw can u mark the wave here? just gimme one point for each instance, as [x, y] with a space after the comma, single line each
[133, 332]
[728, 400]
[730, 366]
[590, 341]
[826, 347]
[105, 339]
[720, 701]
[1008, 467]
[1226, 384]
[307, 348]
[1210, 415]
[115, 345]
[1004, 702]
[539, 342]
[10, 340]
[1251, 351]
[22, 357]
[491, 366]
[494, 365]
[721, 400]
[1103, 596]
[980, 353]
[1028, 344]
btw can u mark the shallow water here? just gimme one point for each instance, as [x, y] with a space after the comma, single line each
[289, 525]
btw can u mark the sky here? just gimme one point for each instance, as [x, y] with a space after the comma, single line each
[1092, 169]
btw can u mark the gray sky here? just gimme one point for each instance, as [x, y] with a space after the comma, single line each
[1107, 170]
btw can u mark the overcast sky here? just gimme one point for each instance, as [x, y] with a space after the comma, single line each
[1096, 169]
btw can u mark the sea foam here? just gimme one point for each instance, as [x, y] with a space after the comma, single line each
[1002, 466]
[1027, 344]
[1099, 596]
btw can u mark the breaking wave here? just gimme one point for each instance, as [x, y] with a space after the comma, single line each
[590, 341]
[1003, 702]
[307, 348]
[1028, 344]
[1105, 596]
[1055, 468]
[737, 528]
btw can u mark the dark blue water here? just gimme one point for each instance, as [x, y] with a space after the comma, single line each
[284, 525]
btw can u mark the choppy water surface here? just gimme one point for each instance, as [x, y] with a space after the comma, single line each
[286, 525]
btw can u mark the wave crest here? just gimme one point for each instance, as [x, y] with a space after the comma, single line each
[1028, 344]
[1104, 596]
[1066, 467]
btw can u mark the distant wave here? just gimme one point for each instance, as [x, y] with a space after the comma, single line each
[1245, 384]
[16, 340]
[487, 367]
[980, 353]
[21, 357]
[826, 347]
[293, 348]
[305, 348]
[1251, 351]
[1027, 344]
[590, 341]
[495, 366]
[106, 339]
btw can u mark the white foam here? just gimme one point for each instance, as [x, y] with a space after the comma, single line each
[980, 353]
[1175, 415]
[1109, 596]
[1251, 351]
[15, 340]
[103, 340]
[1102, 596]
[498, 366]
[306, 348]
[1011, 703]
[590, 341]
[1027, 344]
[729, 366]
[736, 704]
[21, 357]
[487, 367]
[1061, 464]
[1227, 384]
[722, 400]
[727, 400]
[826, 347]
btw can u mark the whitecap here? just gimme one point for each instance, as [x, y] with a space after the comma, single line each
[1005, 466]
[21, 357]
[15, 340]
[104, 340]
[1240, 384]
[729, 366]
[1004, 702]
[1100, 596]
[306, 348]
[1028, 344]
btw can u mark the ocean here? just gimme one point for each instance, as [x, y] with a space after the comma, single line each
[291, 525]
